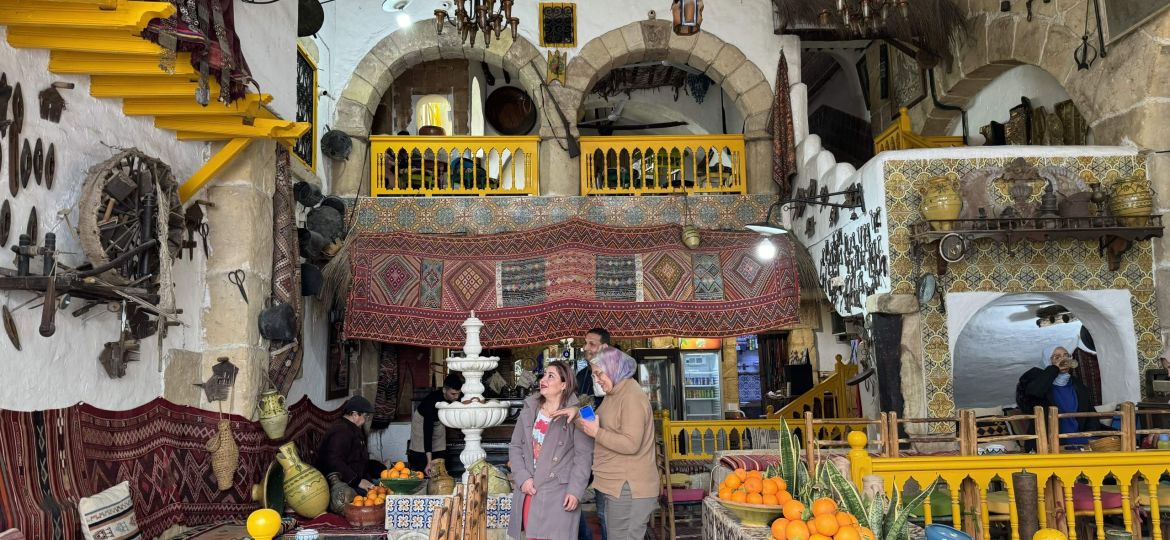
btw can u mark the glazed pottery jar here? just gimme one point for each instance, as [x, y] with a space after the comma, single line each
[1131, 201]
[305, 488]
[941, 201]
[690, 236]
[441, 483]
[273, 415]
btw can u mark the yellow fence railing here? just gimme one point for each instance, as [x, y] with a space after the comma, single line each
[426, 166]
[662, 164]
[828, 399]
[1075, 492]
[899, 136]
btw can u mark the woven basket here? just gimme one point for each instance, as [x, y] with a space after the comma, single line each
[225, 455]
[1106, 444]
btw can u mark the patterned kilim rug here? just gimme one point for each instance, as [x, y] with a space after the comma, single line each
[50, 459]
[544, 284]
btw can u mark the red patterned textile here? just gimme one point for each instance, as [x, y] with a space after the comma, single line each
[543, 284]
[50, 459]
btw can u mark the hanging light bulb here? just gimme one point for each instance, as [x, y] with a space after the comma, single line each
[765, 250]
[865, 10]
[904, 8]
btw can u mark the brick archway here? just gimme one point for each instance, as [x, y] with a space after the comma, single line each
[401, 50]
[652, 40]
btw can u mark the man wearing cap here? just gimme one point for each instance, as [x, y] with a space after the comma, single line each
[343, 448]
[428, 437]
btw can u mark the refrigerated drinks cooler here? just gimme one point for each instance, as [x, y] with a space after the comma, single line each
[702, 396]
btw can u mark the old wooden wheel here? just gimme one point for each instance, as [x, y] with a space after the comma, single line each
[127, 201]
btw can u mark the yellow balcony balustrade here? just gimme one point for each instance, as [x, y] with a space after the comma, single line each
[899, 136]
[427, 166]
[82, 14]
[662, 164]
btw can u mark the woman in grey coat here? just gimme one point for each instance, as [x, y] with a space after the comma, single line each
[550, 461]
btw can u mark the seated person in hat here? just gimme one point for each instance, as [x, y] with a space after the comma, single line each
[428, 437]
[343, 447]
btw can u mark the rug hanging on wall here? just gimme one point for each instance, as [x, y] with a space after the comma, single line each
[543, 284]
[285, 363]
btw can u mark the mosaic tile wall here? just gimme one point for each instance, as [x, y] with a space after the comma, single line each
[1044, 267]
[487, 215]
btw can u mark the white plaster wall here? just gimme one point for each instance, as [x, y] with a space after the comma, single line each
[63, 370]
[995, 101]
[315, 334]
[1106, 313]
[659, 105]
[843, 91]
[269, 39]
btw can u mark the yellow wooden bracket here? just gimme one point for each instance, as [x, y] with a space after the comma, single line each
[127, 15]
[249, 105]
[149, 86]
[81, 63]
[259, 128]
[196, 136]
[212, 167]
[92, 40]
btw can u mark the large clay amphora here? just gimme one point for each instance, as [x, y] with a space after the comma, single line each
[941, 202]
[1131, 201]
[273, 415]
[305, 488]
[440, 483]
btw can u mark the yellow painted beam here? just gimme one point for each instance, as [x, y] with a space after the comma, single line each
[249, 105]
[93, 40]
[101, 4]
[128, 15]
[260, 128]
[115, 64]
[197, 136]
[208, 171]
[147, 86]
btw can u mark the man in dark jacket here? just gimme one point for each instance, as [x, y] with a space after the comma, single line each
[1056, 386]
[343, 447]
[428, 437]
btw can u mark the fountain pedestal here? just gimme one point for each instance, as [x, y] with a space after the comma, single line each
[473, 413]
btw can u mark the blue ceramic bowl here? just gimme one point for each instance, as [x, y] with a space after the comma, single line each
[943, 532]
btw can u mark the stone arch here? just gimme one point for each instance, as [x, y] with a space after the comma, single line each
[652, 40]
[1116, 95]
[403, 49]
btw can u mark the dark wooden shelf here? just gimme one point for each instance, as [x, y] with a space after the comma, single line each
[1114, 235]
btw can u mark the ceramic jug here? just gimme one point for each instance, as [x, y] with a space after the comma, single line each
[305, 488]
[941, 201]
[441, 483]
[1131, 201]
[273, 415]
[340, 494]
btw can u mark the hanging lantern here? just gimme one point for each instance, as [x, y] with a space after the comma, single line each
[688, 16]
[440, 18]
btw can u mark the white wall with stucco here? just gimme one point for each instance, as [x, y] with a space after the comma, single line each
[63, 370]
[995, 101]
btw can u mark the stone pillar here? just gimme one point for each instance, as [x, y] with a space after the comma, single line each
[240, 239]
[758, 160]
[559, 174]
[351, 178]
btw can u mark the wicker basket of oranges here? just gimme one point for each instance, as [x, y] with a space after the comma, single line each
[401, 479]
[369, 510]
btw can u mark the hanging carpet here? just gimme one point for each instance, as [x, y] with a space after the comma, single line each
[547, 283]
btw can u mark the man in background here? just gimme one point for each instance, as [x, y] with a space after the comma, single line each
[596, 339]
[343, 447]
[428, 437]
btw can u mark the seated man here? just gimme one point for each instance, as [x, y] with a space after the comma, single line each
[343, 447]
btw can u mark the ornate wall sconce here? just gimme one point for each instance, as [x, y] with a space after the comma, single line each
[687, 16]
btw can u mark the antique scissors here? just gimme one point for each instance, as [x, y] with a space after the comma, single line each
[237, 278]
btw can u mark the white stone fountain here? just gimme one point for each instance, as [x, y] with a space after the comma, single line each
[473, 414]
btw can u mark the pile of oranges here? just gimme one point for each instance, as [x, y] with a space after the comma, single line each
[751, 487]
[826, 523]
[399, 470]
[376, 496]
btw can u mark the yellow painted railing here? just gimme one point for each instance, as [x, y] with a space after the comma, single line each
[660, 164]
[981, 491]
[899, 136]
[426, 166]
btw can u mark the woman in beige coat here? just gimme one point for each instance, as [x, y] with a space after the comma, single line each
[550, 460]
[624, 468]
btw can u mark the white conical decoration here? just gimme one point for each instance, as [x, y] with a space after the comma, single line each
[473, 414]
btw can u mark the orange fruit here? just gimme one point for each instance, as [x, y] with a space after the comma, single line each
[827, 524]
[741, 473]
[755, 474]
[783, 497]
[733, 481]
[399, 466]
[778, 532]
[845, 518]
[358, 498]
[793, 510]
[755, 498]
[812, 526]
[753, 485]
[771, 500]
[824, 505]
[796, 530]
[866, 534]
[724, 493]
[418, 474]
[780, 483]
[819, 536]
[848, 532]
[739, 496]
[770, 488]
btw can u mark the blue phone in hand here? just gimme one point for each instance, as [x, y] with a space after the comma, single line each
[588, 414]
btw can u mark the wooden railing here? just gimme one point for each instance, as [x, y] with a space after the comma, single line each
[426, 166]
[662, 164]
[828, 399]
[899, 136]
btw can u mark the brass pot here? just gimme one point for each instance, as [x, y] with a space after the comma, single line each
[1131, 201]
[941, 202]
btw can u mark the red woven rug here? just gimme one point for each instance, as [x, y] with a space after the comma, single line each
[544, 284]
